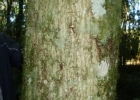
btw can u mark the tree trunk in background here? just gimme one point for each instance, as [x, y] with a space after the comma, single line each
[19, 22]
[8, 23]
[71, 50]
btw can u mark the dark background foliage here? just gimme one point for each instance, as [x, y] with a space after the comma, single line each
[129, 79]
[13, 18]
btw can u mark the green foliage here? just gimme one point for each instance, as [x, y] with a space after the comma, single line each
[129, 45]
[13, 18]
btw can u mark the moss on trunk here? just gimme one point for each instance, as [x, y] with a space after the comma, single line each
[71, 50]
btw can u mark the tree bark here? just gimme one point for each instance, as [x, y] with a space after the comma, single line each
[71, 50]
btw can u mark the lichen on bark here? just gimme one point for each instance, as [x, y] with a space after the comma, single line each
[65, 49]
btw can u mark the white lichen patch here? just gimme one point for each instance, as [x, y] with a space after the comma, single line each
[102, 68]
[97, 8]
[45, 82]
[29, 80]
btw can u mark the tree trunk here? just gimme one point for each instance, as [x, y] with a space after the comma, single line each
[19, 22]
[71, 50]
[8, 22]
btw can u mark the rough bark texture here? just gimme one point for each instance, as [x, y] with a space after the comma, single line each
[71, 50]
